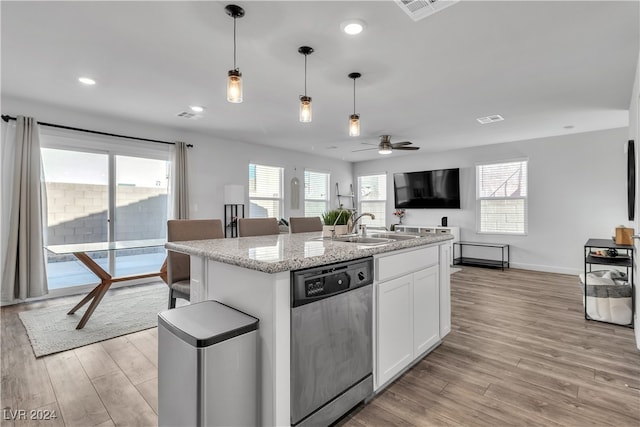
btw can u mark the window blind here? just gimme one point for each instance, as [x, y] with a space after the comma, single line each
[372, 191]
[316, 193]
[502, 197]
[265, 191]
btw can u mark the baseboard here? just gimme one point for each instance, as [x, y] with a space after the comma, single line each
[81, 289]
[546, 268]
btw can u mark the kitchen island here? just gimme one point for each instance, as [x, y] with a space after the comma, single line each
[411, 302]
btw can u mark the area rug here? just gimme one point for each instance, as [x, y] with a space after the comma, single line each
[52, 330]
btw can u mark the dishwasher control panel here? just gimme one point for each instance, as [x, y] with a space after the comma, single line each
[322, 282]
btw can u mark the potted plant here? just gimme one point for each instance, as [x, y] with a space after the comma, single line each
[339, 218]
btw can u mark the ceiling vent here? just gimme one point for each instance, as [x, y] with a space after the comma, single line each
[419, 9]
[490, 119]
[188, 115]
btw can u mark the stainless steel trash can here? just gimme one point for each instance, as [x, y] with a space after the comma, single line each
[207, 366]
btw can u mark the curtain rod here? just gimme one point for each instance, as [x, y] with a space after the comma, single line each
[6, 118]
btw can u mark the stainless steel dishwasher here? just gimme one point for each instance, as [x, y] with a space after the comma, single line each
[331, 341]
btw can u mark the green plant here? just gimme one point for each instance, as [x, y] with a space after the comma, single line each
[330, 217]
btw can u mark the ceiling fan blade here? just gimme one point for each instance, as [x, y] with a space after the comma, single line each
[400, 144]
[406, 148]
[365, 149]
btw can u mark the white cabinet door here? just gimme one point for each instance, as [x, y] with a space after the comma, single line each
[445, 292]
[395, 327]
[426, 312]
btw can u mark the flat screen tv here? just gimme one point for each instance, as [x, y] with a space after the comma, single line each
[436, 189]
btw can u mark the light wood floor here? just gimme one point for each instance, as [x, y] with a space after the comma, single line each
[520, 353]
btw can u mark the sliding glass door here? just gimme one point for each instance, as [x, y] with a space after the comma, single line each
[104, 197]
[77, 188]
[140, 211]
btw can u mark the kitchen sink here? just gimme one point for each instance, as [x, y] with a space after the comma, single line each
[372, 239]
[363, 240]
[393, 236]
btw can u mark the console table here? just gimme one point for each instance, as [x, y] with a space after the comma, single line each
[483, 262]
[79, 250]
[431, 229]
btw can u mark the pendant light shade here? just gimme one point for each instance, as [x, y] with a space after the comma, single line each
[234, 87]
[354, 119]
[234, 78]
[354, 125]
[305, 101]
[305, 109]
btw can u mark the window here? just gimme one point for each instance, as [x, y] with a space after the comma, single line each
[372, 191]
[316, 193]
[501, 197]
[265, 191]
[99, 191]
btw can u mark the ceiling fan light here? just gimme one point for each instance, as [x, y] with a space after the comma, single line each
[385, 146]
[234, 87]
[305, 109]
[354, 125]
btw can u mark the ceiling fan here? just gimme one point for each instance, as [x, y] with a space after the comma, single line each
[386, 146]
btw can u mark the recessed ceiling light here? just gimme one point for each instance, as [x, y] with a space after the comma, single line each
[353, 26]
[196, 108]
[86, 81]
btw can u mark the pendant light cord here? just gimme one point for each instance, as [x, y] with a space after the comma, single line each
[354, 96]
[305, 74]
[234, 44]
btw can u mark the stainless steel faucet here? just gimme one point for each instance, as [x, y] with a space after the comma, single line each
[353, 224]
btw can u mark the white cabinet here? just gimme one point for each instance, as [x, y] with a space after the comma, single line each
[395, 327]
[445, 291]
[408, 321]
[426, 313]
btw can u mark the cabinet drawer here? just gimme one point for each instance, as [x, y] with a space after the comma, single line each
[443, 231]
[402, 263]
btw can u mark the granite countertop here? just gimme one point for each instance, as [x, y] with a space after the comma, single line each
[284, 252]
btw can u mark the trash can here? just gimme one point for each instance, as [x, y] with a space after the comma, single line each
[207, 366]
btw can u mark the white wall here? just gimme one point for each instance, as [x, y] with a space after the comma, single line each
[215, 163]
[212, 162]
[577, 190]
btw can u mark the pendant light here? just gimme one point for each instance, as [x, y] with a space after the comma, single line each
[354, 119]
[234, 79]
[305, 101]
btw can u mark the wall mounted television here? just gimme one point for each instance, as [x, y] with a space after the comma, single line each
[435, 189]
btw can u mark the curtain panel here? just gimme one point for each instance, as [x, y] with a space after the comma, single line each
[180, 182]
[23, 213]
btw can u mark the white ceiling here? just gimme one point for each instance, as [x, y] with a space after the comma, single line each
[541, 65]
